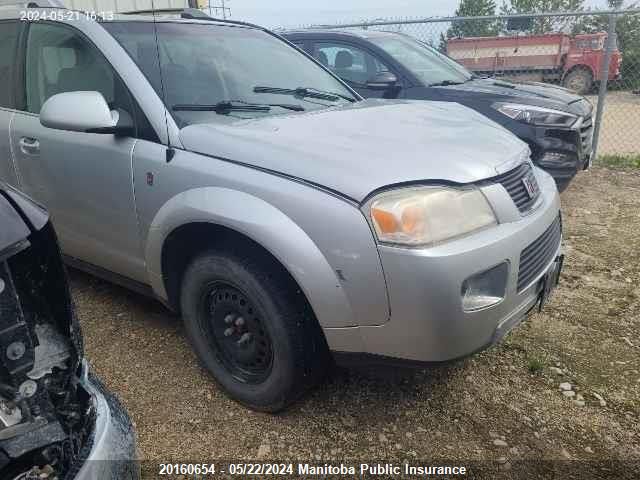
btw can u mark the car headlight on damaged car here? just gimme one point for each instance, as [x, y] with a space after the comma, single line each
[533, 115]
[428, 215]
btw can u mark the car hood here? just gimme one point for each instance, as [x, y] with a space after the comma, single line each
[530, 93]
[361, 147]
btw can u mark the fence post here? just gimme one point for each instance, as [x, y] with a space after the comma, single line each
[606, 62]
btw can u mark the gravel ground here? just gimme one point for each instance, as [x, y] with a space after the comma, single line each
[504, 404]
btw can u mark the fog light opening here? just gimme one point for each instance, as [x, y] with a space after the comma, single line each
[558, 160]
[485, 289]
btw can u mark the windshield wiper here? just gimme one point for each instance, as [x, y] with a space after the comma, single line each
[445, 83]
[304, 92]
[227, 106]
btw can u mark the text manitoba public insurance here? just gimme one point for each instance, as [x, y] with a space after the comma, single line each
[380, 469]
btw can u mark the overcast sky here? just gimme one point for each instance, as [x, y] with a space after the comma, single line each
[292, 13]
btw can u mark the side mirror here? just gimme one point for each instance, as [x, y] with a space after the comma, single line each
[85, 112]
[382, 81]
[520, 24]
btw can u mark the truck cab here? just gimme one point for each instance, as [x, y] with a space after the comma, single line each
[583, 63]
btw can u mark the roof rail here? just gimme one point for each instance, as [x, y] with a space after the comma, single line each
[237, 22]
[46, 4]
[191, 13]
[194, 13]
[157, 10]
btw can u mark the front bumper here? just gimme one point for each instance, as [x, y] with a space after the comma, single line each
[561, 152]
[112, 454]
[428, 322]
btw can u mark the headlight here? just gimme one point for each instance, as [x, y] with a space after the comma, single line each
[425, 216]
[536, 115]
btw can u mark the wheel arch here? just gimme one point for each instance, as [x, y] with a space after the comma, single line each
[214, 217]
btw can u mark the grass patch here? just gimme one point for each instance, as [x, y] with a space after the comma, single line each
[535, 366]
[617, 161]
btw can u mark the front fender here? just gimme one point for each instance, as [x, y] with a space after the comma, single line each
[266, 225]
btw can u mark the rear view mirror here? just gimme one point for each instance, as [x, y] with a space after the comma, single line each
[520, 24]
[382, 81]
[86, 112]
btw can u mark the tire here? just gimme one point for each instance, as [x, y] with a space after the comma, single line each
[579, 80]
[285, 352]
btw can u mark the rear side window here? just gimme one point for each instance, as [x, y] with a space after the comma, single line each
[8, 48]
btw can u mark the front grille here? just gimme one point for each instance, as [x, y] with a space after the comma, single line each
[537, 256]
[513, 182]
[586, 135]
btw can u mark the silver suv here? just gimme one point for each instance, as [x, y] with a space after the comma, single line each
[216, 167]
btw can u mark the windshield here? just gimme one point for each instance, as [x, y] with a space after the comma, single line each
[426, 63]
[590, 43]
[213, 72]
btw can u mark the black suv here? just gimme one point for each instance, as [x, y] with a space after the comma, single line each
[556, 123]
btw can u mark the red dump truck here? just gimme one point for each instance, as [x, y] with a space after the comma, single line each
[574, 61]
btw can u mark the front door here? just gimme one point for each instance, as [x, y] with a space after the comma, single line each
[354, 65]
[85, 180]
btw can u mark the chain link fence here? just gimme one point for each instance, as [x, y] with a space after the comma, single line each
[572, 50]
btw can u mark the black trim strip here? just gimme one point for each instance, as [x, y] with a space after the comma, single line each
[109, 276]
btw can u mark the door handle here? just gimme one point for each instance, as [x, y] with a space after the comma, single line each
[29, 146]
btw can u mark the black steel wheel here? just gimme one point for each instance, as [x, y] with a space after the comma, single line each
[241, 341]
[252, 328]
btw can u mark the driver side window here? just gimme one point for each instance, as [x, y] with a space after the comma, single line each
[60, 60]
[350, 63]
